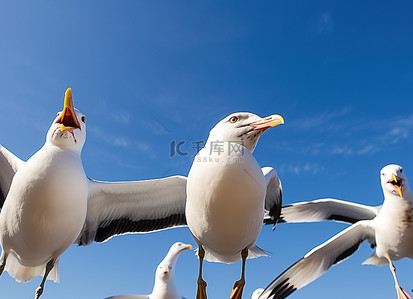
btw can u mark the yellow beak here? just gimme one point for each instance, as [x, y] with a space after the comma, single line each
[68, 119]
[268, 122]
[398, 189]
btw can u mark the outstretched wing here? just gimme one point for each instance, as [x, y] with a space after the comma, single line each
[319, 260]
[9, 164]
[273, 197]
[327, 209]
[116, 208]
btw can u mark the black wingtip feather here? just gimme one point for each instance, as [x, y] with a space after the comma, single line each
[283, 290]
[343, 218]
[125, 225]
[2, 199]
[348, 252]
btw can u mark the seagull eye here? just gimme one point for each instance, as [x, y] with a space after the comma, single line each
[84, 119]
[234, 119]
[58, 113]
[382, 174]
[401, 170]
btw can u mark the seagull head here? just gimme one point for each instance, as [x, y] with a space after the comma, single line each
[257, 293]
[68, 130]
[394, 180]
[166, 268]
[244, 128]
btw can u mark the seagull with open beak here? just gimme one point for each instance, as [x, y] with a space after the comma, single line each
[49, 203]
[389, 228]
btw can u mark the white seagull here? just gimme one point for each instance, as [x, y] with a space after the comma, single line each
[227, 192]
[390, 228]
[164, 287]
[49, 203]
[257, 293]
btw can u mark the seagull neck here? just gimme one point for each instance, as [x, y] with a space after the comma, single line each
[54, 147]
[221, 146]
[164, 288]
[394, 202]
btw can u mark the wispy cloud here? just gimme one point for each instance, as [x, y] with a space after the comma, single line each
[121, 117]
[330, 133]
[324, 23]
[320, 120]
[297, 168]
[123, 142]
[321, 24]
[398, 130]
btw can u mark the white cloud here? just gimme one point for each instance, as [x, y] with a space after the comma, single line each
[122, 118]
[331, 133]
[297, 168]
[124, 142]
[325, 23]
[321, 24]
[119, 141]
[321, 119]
[367, 149]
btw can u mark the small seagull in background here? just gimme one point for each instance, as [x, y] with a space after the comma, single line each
[48, 203]
[388, 227]
[227, 193]
[257, 293]
[164, 287]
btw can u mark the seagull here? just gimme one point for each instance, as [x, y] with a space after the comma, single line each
[387, 227]
[48, 203]
[227, 193]
[164, 287]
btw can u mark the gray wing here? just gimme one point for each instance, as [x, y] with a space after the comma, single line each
[273, 197]
[9, 164]
[116, 208]
[319, 260]
[327, 209]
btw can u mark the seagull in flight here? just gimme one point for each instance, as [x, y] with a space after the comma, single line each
[389, 228]
[48, 203]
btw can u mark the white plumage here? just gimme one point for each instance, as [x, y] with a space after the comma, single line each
[227, 193]
[49, 203]
[164, 287]
[388, 227]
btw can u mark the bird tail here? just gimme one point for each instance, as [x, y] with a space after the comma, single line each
[375, 260]
[212, 256]
[255, 251]
[22, 273]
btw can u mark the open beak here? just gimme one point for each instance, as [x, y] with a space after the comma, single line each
[396, 184]
[68, 119]
[268, 122]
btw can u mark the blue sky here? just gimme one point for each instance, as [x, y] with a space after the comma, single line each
[147, 73]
